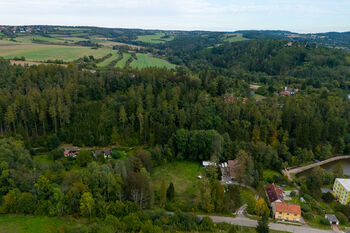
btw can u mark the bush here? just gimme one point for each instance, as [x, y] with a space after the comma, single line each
[308, 216]
[342, 218]
[324, 221]
[327, 197]
[115, 154]
[305, 207]
[206, 224]
[307, 197]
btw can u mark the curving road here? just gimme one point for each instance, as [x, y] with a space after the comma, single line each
[243, 221]
[304, 168]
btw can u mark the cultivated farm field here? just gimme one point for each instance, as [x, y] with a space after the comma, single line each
[40, 52]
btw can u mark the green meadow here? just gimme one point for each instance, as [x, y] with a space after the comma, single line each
[145, 60]
[183, 174]
[39, 52]
[234, 38]
[155, 38]
[30, 224]
[108, 60]
[122, 62]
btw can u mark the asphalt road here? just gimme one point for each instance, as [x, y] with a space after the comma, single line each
[243, 221]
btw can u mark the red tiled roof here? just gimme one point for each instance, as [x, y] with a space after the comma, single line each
[273, 193]
[285, 93]
[254, 87]
[288, 208]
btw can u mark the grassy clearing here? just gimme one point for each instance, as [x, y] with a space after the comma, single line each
[234, 38]
[39, 52]
[245, 193]
[108, 60]
[29, 39]
[183, 174]
[259, 97]
[122, 62]
[267, 173]
[42, 158]
[144, 60]
[155, 38]
[29, 224]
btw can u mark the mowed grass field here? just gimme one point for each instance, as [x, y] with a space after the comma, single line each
[30, 224]
[41, 52]
[155, 38]
[183, 174]
[108, 60]
[234, 38]
[145, 60]
[122, 62]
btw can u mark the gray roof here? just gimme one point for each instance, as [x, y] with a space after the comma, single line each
[326, 190]
[331, 218]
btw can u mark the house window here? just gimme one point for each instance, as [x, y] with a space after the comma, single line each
[279, 217]
[287, 213]
[286, 218]
[295, 214]
[280, 212]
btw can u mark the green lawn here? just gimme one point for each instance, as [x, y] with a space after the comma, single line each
[108, 60]
[154, 38]
[183, 174]
[122, 62]
[234, 38]
[29, 224]
[144, 60]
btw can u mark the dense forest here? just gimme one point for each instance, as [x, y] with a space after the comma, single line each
[113, 107]
[201, 111]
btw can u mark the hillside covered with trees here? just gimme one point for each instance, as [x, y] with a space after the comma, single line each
[203, 109]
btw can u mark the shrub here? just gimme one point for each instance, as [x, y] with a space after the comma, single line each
[324, 221]
[308, 216]
[206, 224]
[327, 197]
[305, 207]
[341, 217]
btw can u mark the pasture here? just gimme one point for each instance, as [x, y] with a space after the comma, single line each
[155, 38]
[145, 60]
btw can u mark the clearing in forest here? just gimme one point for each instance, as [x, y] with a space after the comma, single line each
[145, 60]
[156, 38]
[183, 174]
